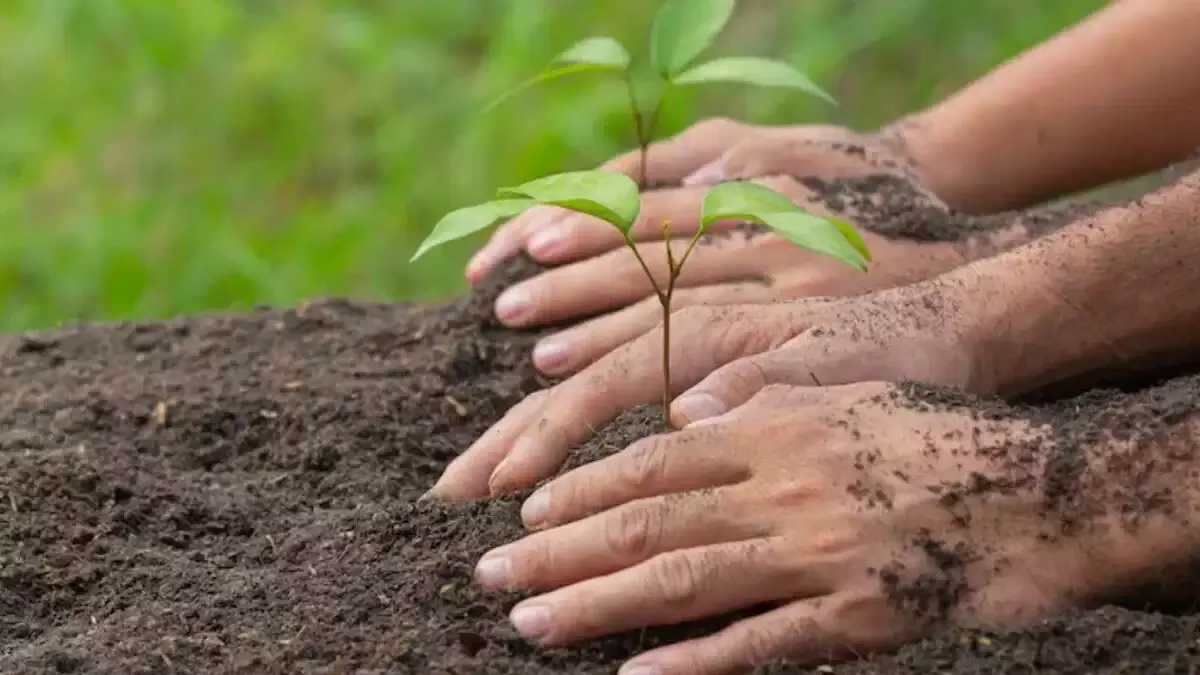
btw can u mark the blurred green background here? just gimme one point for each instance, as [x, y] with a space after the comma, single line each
[160, 157]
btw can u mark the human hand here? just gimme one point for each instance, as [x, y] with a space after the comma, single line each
[708, 152]
[748, 265]
[867, 515]
[926, 332]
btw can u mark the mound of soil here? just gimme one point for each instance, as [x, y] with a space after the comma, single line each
[237, 494]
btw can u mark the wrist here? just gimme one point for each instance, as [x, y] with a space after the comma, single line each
[1140, 483]
[1012, 325]
[922, 144]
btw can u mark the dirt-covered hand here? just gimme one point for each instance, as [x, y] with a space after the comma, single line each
[749, 264]
[707, 153]
[922, 332]
[865, 515]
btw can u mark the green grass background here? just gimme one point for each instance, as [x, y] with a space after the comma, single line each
[162, 157]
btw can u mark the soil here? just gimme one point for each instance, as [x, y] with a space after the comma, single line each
[238, 494]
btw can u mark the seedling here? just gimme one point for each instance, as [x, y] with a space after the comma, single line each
[682, 30]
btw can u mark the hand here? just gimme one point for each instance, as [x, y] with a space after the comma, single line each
[927, 332]
[750, 265]
[868, 514]
[707, 153]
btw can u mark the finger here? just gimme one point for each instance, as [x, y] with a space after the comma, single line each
[584, 344]
[668, 162]
[578, 236]
[466, 477]
[814, 358]
[654, 466]
[618, 278]
[804, 362]
[672, 159]
[667, 589]
[825, 152]
[707, 337]
[510, 238]
[805, 632]
[616, 539]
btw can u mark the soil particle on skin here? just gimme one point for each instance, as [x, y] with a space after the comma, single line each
[890, 205]
[1108, 641]
[237, 494]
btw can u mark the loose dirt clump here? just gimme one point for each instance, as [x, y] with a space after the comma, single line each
[237, 494]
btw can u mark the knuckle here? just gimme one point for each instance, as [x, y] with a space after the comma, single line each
[771, 394]
[760, 646]
[645, 464]
[678, 578]
[694, 316]
[718, 126]
[749, 376]
[793, 489]
[534, 562]
[634, 531]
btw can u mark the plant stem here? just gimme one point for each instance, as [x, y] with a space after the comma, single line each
[666, 354]
[688, 251]
[643, 126]
[645, 268]
[643, 135]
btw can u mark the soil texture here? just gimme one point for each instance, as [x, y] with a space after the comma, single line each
[237, 494]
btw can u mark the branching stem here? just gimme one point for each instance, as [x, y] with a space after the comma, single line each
[644, 125]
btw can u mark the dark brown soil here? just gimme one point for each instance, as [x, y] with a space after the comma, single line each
[236, 494]
[889, 205]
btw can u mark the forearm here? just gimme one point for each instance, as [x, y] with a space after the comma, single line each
[1113, 97]
[1115, 291]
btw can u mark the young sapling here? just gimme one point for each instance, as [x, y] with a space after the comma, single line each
[682, 30]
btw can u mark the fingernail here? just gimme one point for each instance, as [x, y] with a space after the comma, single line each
[639, 669]
[535, 509]
[532, 621]
[513, 304]
[546, 242]
[696, 407]
[477, 265]
[550, 356]
[498, 483]
[709, 174]
[494, 571]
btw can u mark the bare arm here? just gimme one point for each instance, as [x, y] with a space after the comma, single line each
[1113, 97]
[1113, 292]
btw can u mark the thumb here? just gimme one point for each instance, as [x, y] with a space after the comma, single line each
[731, 386]
[709, 337]
[806, 361]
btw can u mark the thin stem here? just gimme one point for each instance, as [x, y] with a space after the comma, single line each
[643, 134]
[645, 268]
[691, 245]
[666, 358]
[666, 232]
[652, 121]
[672, 275]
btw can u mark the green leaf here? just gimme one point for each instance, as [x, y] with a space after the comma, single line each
[546, 76]
[760, 204]
[852, 236]
[589, 55]
[752, 70]
[597, 51]
[736, 199]
[468, 220]
[816, 234]
[609, 196]
[683, 29]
